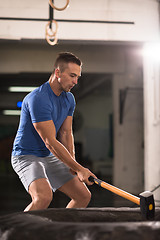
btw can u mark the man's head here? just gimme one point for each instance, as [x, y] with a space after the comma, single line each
[64, 58]
[67, 70]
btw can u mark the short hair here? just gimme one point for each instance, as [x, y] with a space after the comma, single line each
[65, 58]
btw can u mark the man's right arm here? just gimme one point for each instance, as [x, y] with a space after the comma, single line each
[47, 132]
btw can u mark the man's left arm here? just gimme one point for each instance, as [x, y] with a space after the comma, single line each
[65, 135]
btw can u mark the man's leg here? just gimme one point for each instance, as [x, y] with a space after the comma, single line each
[41, 194]
[78, 192]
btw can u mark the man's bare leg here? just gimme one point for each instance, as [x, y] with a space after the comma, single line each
[41, 194]
[78, 192]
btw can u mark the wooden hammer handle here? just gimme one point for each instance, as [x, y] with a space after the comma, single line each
[115, 190]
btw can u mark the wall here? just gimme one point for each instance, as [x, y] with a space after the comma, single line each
[94, 133]
[152, 121]
[139, 20]
[37, 57]
[128, 133]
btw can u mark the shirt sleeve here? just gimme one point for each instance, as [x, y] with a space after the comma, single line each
[72, 104]
[39, 108]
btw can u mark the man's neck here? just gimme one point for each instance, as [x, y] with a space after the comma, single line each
[54, 84]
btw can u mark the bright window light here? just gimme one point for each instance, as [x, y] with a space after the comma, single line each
[11, 112]
[21, 89]
[152, 50]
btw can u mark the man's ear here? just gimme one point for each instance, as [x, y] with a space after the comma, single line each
[57, 72]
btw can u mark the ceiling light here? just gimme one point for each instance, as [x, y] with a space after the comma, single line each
[21, 89]
[11, 112]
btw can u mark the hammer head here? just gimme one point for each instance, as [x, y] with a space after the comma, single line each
[147, 205]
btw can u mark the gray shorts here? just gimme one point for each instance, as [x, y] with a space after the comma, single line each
[30, 168]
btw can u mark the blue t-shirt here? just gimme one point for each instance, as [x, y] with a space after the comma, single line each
[38, 106]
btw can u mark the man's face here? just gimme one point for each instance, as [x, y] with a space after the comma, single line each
[69, 77]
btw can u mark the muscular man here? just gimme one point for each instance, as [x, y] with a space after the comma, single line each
[43, 150]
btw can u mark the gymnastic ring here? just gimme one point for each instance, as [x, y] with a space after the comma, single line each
[52, 43]
[59, 9]
[48, 28]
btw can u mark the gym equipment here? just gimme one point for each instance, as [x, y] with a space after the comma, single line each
[145, 201]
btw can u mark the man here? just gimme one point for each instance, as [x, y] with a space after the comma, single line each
[43, 149]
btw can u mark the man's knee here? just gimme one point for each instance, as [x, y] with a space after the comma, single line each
[86, 197]
[41, 193]
[43, 200]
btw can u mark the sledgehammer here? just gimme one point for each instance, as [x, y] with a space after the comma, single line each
[145, 201]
